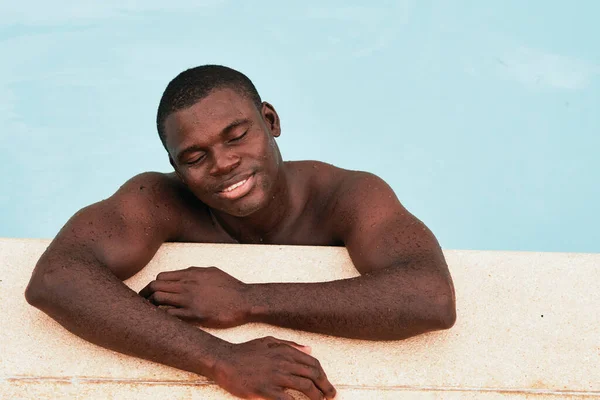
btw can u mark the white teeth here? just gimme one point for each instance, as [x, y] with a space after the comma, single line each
[236, 185]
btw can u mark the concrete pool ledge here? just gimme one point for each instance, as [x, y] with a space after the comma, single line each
[528, 327]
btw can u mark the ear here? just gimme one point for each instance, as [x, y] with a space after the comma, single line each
[271, 119]
[176, 170]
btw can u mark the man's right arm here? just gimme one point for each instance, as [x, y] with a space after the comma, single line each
[78, 282]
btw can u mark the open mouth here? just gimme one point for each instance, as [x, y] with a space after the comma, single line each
[237, 189]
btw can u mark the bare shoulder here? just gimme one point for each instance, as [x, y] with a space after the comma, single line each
[362, 186]
[323, 175]
[150, 194]
[340, 198]
[153, 184]
[161, 192]
[124, 231]
[149, 198]
[339, 184]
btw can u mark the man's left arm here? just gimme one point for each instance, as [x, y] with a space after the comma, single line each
[405, 288]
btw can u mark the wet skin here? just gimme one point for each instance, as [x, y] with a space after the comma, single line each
[231, 185]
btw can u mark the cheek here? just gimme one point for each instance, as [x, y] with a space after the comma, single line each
[271, 152]
[272, 144]
[265, 183]
[196, 182]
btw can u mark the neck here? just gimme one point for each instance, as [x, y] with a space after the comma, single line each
[262, 224]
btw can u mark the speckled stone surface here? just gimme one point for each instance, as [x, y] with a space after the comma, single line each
[528, 326]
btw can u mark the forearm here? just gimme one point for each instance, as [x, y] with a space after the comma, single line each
[88, 300]
[391, 304]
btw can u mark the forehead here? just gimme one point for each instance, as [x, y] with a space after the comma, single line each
[209, 115]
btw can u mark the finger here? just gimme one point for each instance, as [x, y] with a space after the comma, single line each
[146, 291]
[167, 299]
[302, 348]
[317, 374]
[305, 386]
[162, 286]
[173, 275]
[182, 313]
[278, 395]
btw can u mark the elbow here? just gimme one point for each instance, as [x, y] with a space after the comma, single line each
[444, 312]
[447, 316]
[31, 295]
[433, 316]
[438, 311]
[43, 284]
[443, 305]
[36, 293]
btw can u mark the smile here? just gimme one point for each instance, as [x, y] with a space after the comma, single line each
[238, 189]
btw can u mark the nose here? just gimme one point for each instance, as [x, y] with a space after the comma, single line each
[224, 162]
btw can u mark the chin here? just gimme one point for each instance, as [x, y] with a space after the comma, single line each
[246, 209]
[242, 207]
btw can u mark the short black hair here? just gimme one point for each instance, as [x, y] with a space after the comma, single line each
[194, 84]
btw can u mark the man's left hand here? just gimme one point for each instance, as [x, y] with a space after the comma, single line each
[206, 296]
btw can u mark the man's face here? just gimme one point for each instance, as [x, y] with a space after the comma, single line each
[224, 150]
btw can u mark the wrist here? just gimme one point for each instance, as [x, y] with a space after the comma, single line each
[257, 306]
[219, 352]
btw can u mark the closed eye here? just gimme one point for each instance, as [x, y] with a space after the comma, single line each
[236, 139]
[196, 160]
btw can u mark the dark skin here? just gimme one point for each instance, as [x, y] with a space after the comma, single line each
[221, 142]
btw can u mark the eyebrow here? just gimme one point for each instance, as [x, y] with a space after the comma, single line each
[232, 125]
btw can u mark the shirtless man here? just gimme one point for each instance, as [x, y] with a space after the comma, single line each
[230, 185]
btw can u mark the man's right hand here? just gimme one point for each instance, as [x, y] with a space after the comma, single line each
[264, 368]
